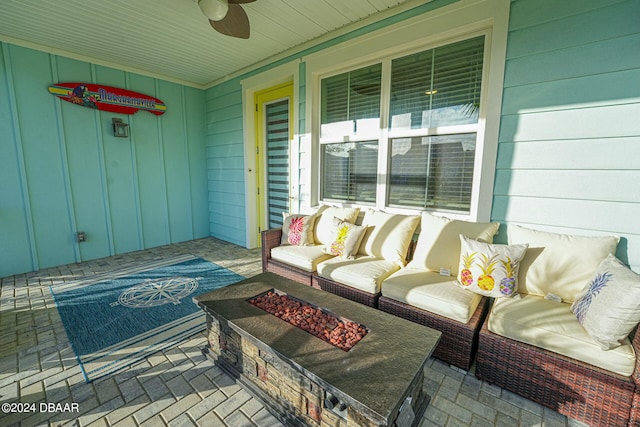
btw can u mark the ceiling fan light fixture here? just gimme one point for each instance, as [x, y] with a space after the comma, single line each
[215, 10]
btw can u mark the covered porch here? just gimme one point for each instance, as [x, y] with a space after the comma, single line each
[180, 385]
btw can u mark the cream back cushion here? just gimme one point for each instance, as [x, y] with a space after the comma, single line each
[388, 235]
[439, 242]
[323, 230]
[560, 264]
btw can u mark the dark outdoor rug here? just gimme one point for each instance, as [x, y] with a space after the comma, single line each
[118, 318]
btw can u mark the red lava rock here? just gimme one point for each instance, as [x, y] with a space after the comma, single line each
[343, 334]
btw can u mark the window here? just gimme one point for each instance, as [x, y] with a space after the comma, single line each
[425, 154]
[351, 110]
[433, 172]
[350, 171]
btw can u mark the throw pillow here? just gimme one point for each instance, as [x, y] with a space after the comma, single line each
[346, 238]
[297, 229]
[608, 305]
[438, 245]
[559, 264]
[489, 269]
[323, 228]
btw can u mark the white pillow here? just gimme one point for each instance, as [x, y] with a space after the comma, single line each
[297, 229]
[345, 240]
[439, 242]
[609, 305]
[324, 224]
[558, 264]
[388, 235]
[489, 269]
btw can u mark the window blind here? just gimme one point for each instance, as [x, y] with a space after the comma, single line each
[432, 172]
[437, 87]
[277, 136]
[434, 99]
[350, 171]
[349, 102]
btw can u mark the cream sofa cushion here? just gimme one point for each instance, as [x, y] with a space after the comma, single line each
[560, 264]
[388, 235]
[439, 242]
[304, 257]
[324, 222]
[365, 273]
[431, 292]
[552, 326]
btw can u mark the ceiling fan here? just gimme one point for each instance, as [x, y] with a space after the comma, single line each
[227, 17]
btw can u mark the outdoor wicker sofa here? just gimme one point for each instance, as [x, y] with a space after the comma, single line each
[535, 346]
[576, 389]
[271, 238]
[460, 333]
[529, 341]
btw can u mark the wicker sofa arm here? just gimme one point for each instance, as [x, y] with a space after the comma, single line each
[635, 341]
[269, 240]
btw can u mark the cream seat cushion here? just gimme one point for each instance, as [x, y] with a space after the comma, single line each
[304, 257]
[561, 264]
[431, 292]
[439, 241]
[365, 273]
[552, 326]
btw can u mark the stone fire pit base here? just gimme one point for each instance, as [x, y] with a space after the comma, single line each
[306, 381]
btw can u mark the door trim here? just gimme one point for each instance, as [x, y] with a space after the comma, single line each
[276, 76]
[262, 99]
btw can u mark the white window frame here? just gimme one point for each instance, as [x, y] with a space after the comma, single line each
[443, 26]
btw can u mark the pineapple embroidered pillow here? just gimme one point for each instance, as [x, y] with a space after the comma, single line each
[297, 229]
[345, 239]
[609, 305]
[489, 269]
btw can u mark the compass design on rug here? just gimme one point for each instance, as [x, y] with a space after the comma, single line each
[153, 293]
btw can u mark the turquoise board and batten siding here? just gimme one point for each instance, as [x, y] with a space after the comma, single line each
[63, 171]
[225, 162]
[569, 152]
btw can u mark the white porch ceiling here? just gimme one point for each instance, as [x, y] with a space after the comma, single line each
[172, 39]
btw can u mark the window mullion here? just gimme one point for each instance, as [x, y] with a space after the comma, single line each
[384, 151]
[429, 177]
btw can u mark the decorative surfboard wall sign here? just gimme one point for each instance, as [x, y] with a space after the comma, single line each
[107, 98]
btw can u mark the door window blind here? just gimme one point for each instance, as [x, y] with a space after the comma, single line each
[277, 136]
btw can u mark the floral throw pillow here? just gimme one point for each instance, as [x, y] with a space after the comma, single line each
[489, 269]
[297, 229]
[346, 239]
[608, 306]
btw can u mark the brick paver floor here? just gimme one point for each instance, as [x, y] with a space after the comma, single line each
[180, 386]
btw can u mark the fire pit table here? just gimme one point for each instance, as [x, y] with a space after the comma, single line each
[302, 377]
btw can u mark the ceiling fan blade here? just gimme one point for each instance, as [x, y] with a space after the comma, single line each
[234, 24]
